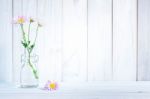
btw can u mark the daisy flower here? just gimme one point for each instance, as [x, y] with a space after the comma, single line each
[20, 20]
[51, 85]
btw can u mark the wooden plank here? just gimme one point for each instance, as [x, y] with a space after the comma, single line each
[40, 41]
[57, 26]
[46, 38]
[143, 40]
[124, 39]
[6, 41]
[74, 40]
[49, 41]
[17, 11]
[29, 8]
[99, 40]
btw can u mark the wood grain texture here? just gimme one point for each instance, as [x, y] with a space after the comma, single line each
[99, 40]
[105, 90]
[49, 41]
[74, 40]
[124, 39]
[40, 41]
[57, 17]
[74, 96]
[6, 40]
[17, 11]
[68, 96]
[29, 8]
[143, 40]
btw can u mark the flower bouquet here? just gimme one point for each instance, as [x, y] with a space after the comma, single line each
[29, 72]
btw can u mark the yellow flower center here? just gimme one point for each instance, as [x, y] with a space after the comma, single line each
[21, 20]
[52, 85]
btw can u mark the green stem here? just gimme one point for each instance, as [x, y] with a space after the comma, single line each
[36, 34]
[24, 37]
[30, 64]
[28, 50]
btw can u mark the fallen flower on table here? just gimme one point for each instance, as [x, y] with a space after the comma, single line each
[51, 85]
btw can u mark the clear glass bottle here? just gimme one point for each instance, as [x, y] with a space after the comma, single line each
[29, 71]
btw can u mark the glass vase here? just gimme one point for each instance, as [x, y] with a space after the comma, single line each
[29, 71]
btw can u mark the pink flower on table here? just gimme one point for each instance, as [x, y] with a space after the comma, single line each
[51, 85]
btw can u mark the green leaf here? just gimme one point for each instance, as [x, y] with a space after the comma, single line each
[24, 44]
[31, 47]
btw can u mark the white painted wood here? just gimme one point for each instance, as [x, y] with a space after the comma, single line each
[109, 90]
[17, 11]
[47, 61]
[143, 40]
[99, 40]
[29, 8]
[41, 96]
[57, 17]
[74, 40]
[49, 41]
[124, 39]
[40, 40]
[5, 40]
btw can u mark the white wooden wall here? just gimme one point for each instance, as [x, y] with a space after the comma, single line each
[5, 40]
[100, 65]
[143, 40]
[124, 39]
[81, 40]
